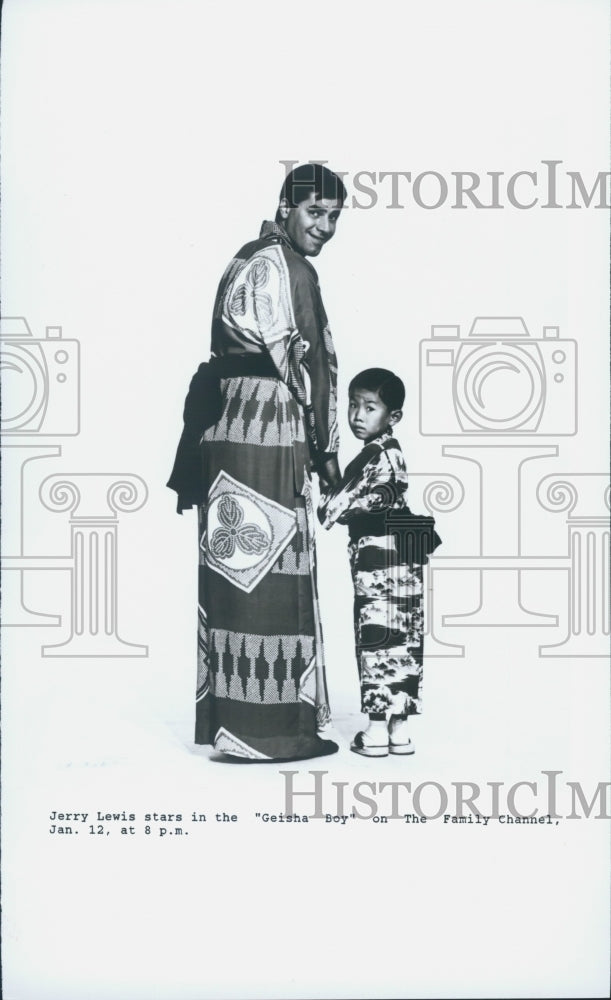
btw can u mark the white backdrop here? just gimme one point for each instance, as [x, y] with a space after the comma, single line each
[141, 146]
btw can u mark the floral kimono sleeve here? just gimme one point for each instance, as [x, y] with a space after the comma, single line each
[275, 302]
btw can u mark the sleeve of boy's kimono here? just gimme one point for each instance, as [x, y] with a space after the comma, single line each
[380, 486]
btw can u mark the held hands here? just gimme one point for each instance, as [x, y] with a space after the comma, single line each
[328, 472]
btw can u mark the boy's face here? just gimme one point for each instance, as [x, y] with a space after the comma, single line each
[368, 415]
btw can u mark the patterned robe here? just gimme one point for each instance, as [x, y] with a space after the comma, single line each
[261, 688]
[386, 575]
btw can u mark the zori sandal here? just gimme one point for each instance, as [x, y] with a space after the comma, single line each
[359, 745]
[401, 748]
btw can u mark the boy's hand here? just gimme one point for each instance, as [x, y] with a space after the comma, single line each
[328, 472]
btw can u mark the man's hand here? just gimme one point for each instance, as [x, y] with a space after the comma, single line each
[328, 471]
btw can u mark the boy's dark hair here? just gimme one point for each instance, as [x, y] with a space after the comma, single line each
[308, 178]
[388, 386]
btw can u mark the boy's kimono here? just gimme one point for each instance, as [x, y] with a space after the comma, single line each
[388, 617]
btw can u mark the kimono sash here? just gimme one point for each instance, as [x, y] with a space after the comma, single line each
[203, 408]
[415, 533]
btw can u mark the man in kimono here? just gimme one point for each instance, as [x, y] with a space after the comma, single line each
[258, 419]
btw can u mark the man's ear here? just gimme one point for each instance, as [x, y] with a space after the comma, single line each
[283, 209]
[395, 417]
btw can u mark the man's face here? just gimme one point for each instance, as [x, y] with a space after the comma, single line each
[311, 224]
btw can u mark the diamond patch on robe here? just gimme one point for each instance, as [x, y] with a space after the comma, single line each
[226, 742]
[246, 532]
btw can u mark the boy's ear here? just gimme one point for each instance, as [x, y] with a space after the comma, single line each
[395, 416]
[284, 208]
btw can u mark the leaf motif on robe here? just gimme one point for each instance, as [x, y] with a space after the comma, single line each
[222, 543]
[231, 514]
[238, 301]
[247, 537]
[264, 309]
[258, 275]
[251, 539]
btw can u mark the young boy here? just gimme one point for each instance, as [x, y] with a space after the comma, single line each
[387, 582]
